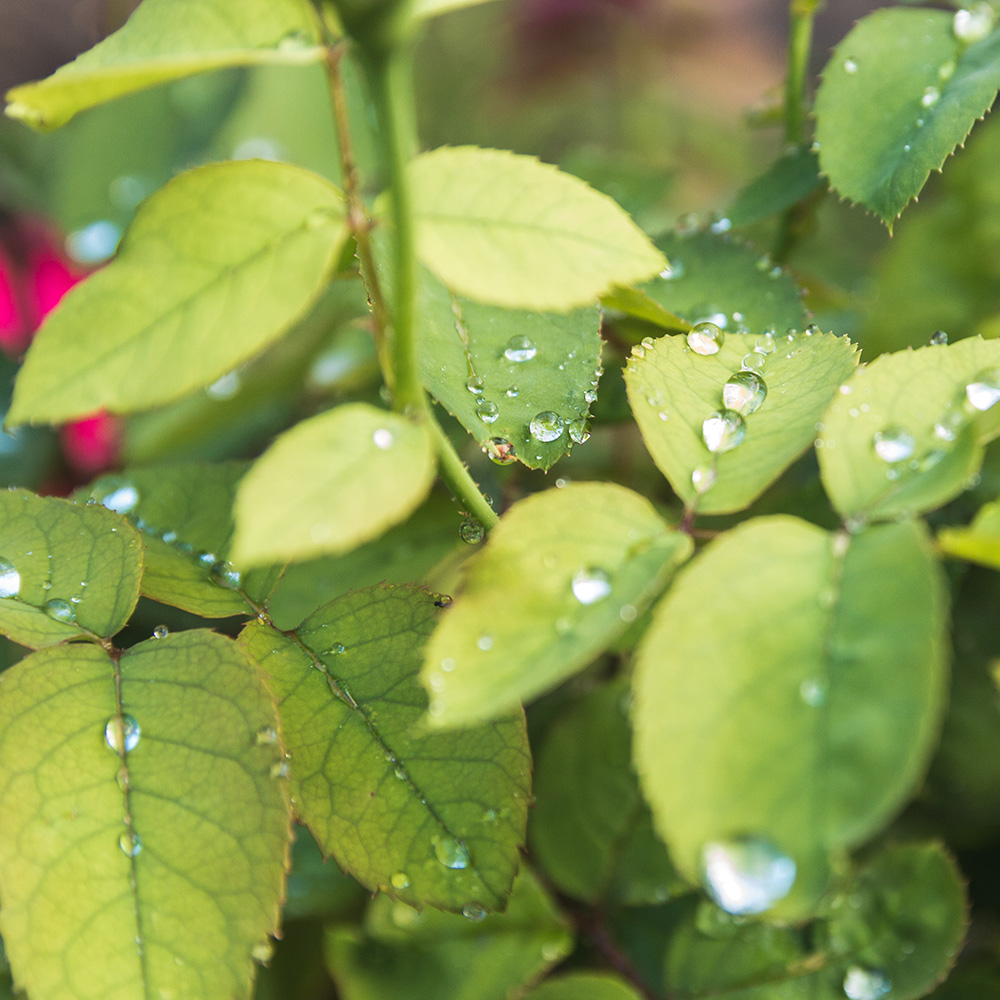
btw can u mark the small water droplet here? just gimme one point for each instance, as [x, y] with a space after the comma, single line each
[59, 610]
[703, 477]
[130, 843]
[519, 349]
[950, 424]
[450, 852]
[279, 769]
[765, 344]
[939, 338]
[471, 531]
[673, 271]
[946, 70]
[95, 243]
[930, 97]
[705, 339]
[813, 692]
[161, 632]
[973, 24]
[10, 579]
[487, 411]
[744, 392]
[850, 66]
[262, 951]
[400, 880]
[267, 736]
[591, 585]
[337, 648]
[546, 426]
[225, 387]
[894, 444]
[500, 451]
[382, 438]
[579, 430]
[753, 362]
[512, 392]
[720, 226]
[225, 573]
[473, 912]
[747, 875]
[474, 383]
[121, 500]
[122, 733]
[865, 984]
[723, 431]
[983, 392]
[485, 643]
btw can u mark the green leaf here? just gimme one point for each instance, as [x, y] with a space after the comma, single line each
[562, 575]
[716, 277]
[152, 869]
[216, 266]
[411, 955]
[431, 8]
[899, 93]
[65, 571]
[591, 831]
[511, 231]
[792, 177]
[426, 818]
[583, 986]
[168, 40]
[979, 542]
[808, 720]
[331, 483]
[673, 390]
[913, 408]
[184, 514]
[634, 302]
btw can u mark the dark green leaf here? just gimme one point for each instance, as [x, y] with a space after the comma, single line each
[792, 177]
[583, 986]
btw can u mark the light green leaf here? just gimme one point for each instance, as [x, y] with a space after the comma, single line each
[216, 266]
[431, 8]
[979, 542]
[634, 302]
[903, 435]
[426, 818]
[411, 955]
[899, 93]
[583, 986]
[152, 869]
[590, 830]
[331, 483]
[65, 571]
[792, 177]
[808, 720]
[560, 578]
[673, 390]
[168, 40]
[716, 277]
[515, 232]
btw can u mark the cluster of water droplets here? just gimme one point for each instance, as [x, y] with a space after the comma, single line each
[121, 736]
[55, 607]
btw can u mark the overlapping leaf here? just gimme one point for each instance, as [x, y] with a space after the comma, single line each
[899, 93]
[217, 265]
[979, 542]
[143, 846]
[672, 391]
[560, 578]
[792, 177]
[427, 818]
[167, 40]
[65, 570]
[808, 720]
[583, 986]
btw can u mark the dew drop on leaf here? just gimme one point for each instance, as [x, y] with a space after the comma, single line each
[949, 424]
[382, 438]
[500, 451]
[673, 271]
[161, 632]
[450, 852]
[225, 573]
[279, 769]
[59, 610]
[983, 392]
[723, 431]
[519, 349]
[130, 843]
[753, 362]
[813, 692]
[474, 383]
[471, 531]
[765, 344]
[748, 875]
[122, 733]
[894, 444]
[939, 338]
[546, 426]
[930, 97]
[121, 500]
[850, 66]
[262, 951]
[266, 736]
[744, 392]
[705, 339]
[400, 880]
[512, 392]
[865, 984]
[473, 912]
[487, 411]
[10, 579]
[579, 430]
[485, 643]
[591, 585]
[973, 24]
[703, 477]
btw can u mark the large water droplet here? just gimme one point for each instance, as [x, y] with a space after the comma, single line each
[744, 392]
[130, 843]
[59, 610]
[894, 444]
[939, 338]
[95, 243]
[471, 531]
[500, 450]
[748, 875]
[122, 733]
[520, 349]
[705, 338]
[10, 579]
[161, 632]
[723, 431]
[579, 430]
[450, 852]
[591, 585]
[225, 573]
[865, 984]
[547, 426]
[400, 880]
[474, 912]
[474, 383]
[487, 411]
[973, 24]
[121, 500]
[983, 392]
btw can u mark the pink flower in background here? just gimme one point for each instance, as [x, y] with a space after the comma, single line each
[92, 444]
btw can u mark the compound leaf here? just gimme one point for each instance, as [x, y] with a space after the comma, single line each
[143, 845]
[168, 40]
[673, 390]
[216, 266]
[427, 818]
[65, 570]
[560, 578]
[807, 721]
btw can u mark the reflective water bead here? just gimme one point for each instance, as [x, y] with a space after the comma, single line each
[939, 338]
[753, 362]
[226, 573]
[546, 426]
[263, 951]
[591, 585]
[59, 610]
[474, 383]
[930, 97]
[764, 344]
[703, 477]
[450, 852]
[983, 392]
[10, 579]
[893, 444]
[813, 692]
[673, 271]
[487, 411]
[512, 392]
[485, 643]
[723, 431]
[500, 450]
[720, 226]
[579, 430]
[850, 66]
[279, 769]
[121, 500]
[122, 733]
[130, 843]
[400, 880]
[705, 339]
[471, 531]
[744, 392]
[973, 24]
[865, 984]
[949, 424]
[266, 737]
[161, 632]
[748, 875]
[473, 912]
[519, 349]
[382, 438]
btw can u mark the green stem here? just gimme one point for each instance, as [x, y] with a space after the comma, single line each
[802, 13]
[455, 473]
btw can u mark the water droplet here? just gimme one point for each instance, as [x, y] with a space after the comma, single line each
[705, 339]
[519, 349]
[10, 579]
[591, 585]
[546, 426]
[939, 338]
[703, 477]
[337, 648]
[474, 383]
[512, 392]
[95, 243]
[450, 852]
[59, 610]
[930, 97]
[813, 692]
[279, 769]
[753, 362]
[765, 344]
[500, 450]
[865, 984]
[473, 912]
[894, 444]
[487, 411]
[748, 875]
[850, 66]
[382, 438]
[225, 573]
[400, 880]
[130, 843]
[946, 70]
[267, 736]
[471, 531]
[122, 733]
[720, 226]
[950, 424]
[262, 951]
[723, 431]
[673, 271]
[121, 500]
[973, 24]
[225, 387]
[984, 392]
[485, 643]
[579, 430]
[744, 392]
[161, 632]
